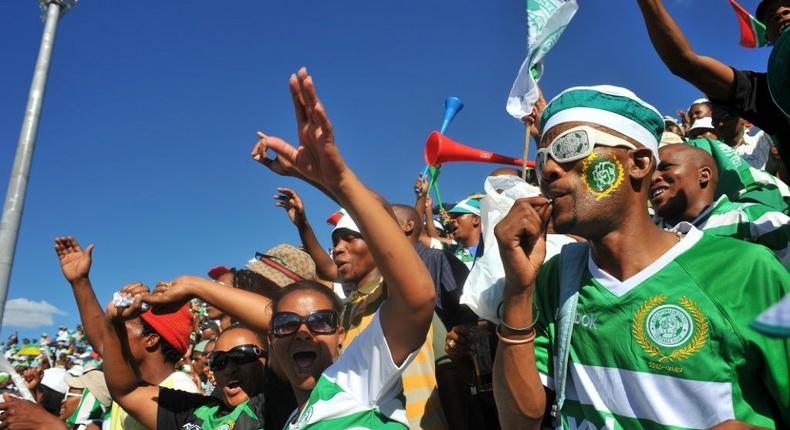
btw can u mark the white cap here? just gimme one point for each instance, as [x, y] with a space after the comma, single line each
[55, 378]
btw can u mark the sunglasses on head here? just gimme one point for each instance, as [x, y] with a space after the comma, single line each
[239, 355]
[318, 322]
[575, 144]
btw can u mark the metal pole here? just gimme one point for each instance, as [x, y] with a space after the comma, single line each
[17, 185]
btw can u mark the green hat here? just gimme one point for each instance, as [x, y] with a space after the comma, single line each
[613, 107]
[779, 71]
[466, 206]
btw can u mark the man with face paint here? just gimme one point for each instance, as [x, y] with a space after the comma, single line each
[745, 92]
[684, 190]
[659, 331]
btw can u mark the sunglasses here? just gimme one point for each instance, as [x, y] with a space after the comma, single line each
[576, 144]
[318, 322]
[239, 355]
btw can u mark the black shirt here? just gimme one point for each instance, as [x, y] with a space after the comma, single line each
[448, 274]
[753, 102]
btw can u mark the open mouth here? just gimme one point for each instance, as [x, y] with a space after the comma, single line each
[784, 27]
[232, 388]
[658, 191]
[304, 361]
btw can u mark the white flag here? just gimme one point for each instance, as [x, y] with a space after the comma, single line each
[546, 20]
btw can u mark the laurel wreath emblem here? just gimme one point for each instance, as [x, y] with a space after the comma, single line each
[694, 345]
[587, 172]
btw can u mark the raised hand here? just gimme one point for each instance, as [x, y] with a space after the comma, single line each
[277, 165]
[317, 158]
[521, 236]
[75, 262]
[136, 291]
[289, 200]
[421, 186]
[171, 296]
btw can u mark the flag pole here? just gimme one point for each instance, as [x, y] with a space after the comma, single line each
[17, 184]
[525, 156]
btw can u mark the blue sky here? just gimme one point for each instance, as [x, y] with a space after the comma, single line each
[152, 107]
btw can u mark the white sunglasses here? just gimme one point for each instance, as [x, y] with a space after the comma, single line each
[575, 144]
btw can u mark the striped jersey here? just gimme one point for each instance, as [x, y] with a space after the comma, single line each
[361, 390]
[671, 347]
[752, 222]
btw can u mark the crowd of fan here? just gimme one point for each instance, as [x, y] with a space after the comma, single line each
[381, 332]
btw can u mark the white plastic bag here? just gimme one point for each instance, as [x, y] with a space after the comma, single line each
[483, 288]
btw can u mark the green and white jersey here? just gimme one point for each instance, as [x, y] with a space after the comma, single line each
[752, 222]
[361, 390]
[671, 347]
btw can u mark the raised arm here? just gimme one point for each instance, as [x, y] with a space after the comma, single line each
[518, 390]
[715, 79]
[124, 382]
[289, 200]
[251, 309]
[407, 312]
[75, 263]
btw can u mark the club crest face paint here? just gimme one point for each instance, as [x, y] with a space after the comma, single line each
[602, 174]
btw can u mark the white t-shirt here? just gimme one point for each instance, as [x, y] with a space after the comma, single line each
[756, 149]
[362, 389]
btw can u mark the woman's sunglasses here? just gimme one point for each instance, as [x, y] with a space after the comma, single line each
[239, 355]
[318, 322]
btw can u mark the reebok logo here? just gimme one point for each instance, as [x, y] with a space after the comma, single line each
[586, 320]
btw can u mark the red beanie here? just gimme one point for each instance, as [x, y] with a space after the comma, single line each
[174, 327]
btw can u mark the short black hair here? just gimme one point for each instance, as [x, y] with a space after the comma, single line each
[307, 285]
[169, 352]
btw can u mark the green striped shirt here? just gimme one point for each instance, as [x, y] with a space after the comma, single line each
[361, 390]
[752, 222]
[671, 347]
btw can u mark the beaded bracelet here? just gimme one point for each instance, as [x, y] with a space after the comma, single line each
[530, 337]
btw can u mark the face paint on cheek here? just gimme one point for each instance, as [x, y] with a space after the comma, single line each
[601, 174]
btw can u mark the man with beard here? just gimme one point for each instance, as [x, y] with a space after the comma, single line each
[641, 327]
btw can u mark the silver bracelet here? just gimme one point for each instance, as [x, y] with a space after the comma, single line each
[525, 330]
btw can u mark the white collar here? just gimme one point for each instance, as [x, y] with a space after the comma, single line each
[618, 288]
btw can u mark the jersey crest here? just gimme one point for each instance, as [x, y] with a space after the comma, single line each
[670, 332]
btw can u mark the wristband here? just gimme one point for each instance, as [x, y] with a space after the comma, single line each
[521, 331]
[530, 337]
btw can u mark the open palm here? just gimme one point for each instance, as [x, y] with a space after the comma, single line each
[74, 261]
[317, 157]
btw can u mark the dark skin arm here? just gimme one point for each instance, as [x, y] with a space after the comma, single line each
[282, 167]
[518, 390]
[712, 77]
[75, 262]
[429, 227]
[135, 396]
[407, 313]
[251, 309]
[289, 200]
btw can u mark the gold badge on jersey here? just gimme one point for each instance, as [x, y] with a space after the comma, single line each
[681, 329]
